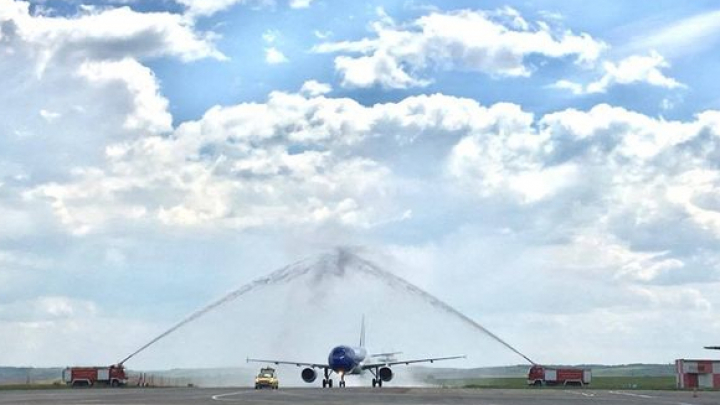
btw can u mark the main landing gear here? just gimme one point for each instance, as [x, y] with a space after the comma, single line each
[327, 381]
[376, 381]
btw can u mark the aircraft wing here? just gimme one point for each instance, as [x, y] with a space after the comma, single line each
[406, 362]
[713, 347]
[294, 363]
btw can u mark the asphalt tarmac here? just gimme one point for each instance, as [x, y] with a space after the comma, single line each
[354, 396]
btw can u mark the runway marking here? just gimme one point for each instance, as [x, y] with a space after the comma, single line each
[229, 394]
[585, 394]
[631, 394]
[221, 397]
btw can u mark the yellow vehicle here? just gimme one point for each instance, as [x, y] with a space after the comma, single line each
[266, 378]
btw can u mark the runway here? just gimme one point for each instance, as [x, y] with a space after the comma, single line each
[354, 396]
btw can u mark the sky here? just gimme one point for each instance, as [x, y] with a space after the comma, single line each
[548, 168]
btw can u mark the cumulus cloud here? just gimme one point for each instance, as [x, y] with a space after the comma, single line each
[274, 57]
[292, 160]
[633, 69]
[114, 33]
[314, 88]
[243, 166]
[612, 171]
[495, 43]
[84, 75]
[149, 108]
[605, 179]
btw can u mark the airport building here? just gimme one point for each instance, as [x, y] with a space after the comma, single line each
[703, 374]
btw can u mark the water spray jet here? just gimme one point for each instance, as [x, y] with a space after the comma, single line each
[336, 264]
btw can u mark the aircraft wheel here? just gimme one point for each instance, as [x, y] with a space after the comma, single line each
[324, 382]
[374, 383]
[379, 382]
[329, 382]
[342, 384]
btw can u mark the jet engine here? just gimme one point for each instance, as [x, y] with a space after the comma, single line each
[308, 375]
[385, 374]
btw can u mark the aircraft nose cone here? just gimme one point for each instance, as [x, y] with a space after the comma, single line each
[341, 359]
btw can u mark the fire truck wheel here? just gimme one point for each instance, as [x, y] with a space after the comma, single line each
[115, 383]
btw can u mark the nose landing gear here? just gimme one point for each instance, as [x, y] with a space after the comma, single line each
[342, 380]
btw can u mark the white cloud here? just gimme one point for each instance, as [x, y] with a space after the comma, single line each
[227, 168]
[290, 160]
[575, 88]
[303, 160]
[274, 57]
[314, 88]
[494, 43]
[49, 116]
[84, 71]
[633, 69]
[235, 168]
[300, 3]
[635, 176]
[114, 33]
[149, 111]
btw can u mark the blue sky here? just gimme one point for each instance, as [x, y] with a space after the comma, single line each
[548, 162]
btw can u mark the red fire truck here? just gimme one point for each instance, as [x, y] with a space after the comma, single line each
[113, 376]
[541, 375]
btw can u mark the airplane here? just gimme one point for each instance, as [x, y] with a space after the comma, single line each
[345, 360]
[712, 347]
